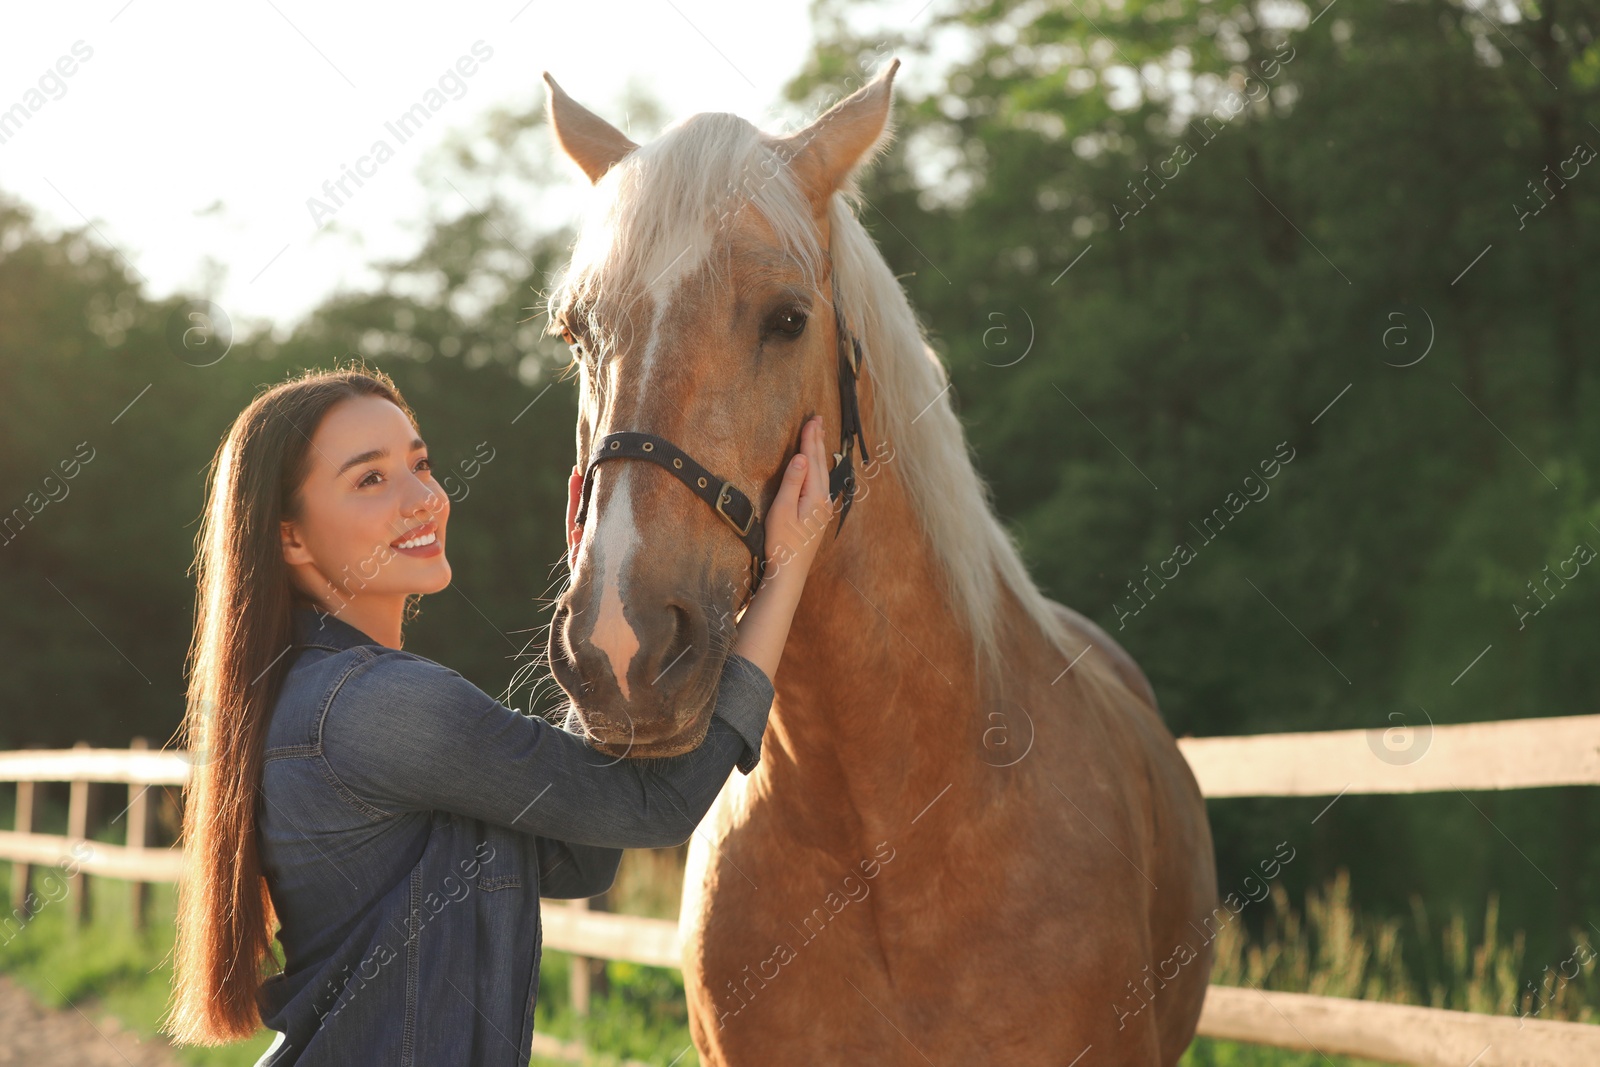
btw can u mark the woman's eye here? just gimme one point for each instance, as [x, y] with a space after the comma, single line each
[788, 322]
[424, 463]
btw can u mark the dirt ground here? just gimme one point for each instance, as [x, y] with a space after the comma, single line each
[79, 1036]
[33, 1035]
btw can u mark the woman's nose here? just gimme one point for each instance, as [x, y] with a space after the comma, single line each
[426, 496]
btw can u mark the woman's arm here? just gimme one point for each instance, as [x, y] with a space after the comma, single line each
[568, 871]
[764, 625]
[403, 733]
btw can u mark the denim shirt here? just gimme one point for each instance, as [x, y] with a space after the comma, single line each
[408, 824]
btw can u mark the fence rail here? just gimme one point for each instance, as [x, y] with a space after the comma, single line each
[1514, 754]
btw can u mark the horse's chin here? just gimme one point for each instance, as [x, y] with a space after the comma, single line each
[674, 746]
[619, 744]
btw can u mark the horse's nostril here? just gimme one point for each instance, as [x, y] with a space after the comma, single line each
[680, 640]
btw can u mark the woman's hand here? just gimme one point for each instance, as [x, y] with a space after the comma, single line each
[801, 511]
[795, 526]
[574, 531]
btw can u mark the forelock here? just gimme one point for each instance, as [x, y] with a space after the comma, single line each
[658, 215]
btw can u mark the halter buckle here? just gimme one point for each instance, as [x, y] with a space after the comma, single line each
[722, 495]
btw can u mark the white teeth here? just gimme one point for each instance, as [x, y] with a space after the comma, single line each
[418, 542]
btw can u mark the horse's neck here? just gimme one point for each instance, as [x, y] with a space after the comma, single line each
[877, 710]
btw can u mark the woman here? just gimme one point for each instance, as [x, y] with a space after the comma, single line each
[398, 822]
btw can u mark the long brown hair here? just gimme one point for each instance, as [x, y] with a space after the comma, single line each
[244, 619]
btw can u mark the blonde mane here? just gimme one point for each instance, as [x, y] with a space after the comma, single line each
[953, 504]
[654, 221]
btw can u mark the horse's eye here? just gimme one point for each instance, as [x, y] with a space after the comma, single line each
[788, 322]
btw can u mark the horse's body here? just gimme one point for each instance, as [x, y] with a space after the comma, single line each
[1010, 905]
[970, 838]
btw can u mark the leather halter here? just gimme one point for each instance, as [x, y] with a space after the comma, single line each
[725, 498]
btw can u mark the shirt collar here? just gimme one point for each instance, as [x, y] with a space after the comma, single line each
[313, 626]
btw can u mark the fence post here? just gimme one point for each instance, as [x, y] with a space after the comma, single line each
[78, 830]
[138, 831]
[21, 873]
[580, 970]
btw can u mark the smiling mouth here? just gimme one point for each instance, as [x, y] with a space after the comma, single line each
[417, 542]
[422, 537]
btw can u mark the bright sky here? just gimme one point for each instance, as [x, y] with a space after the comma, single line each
[189, 131]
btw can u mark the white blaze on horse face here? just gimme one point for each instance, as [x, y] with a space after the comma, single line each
[664, 267]
[615, 542]
[647, 358]
[619, 534]
[616, 537]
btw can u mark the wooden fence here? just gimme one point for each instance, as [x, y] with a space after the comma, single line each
[1519, 754]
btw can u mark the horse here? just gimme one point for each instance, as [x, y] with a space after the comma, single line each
[970, 837]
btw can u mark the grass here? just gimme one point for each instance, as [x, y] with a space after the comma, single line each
[639, 1012]
[105, 966]
[643, 1016]
[1331, 950]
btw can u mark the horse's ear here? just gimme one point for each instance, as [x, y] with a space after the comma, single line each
[591, 142]
[847, 135]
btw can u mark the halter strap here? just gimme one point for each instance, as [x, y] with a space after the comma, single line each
[727, 499]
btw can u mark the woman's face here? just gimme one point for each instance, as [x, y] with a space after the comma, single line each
[372, 518]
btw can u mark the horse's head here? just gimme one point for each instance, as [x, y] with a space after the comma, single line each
[698, 306]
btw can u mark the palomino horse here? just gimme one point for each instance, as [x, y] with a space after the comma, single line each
[970, 839]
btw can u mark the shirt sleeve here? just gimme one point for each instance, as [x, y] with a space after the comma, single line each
[567, 871]
[404, 733]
